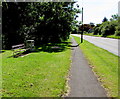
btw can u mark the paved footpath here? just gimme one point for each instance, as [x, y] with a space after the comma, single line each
[83, 82]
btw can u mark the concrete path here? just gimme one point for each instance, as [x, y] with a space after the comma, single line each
[108, 44]
[83, 82]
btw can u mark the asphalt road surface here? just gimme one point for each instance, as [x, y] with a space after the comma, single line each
[108, 44]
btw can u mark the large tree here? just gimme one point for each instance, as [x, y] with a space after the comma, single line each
[11, 22]
[44, 22]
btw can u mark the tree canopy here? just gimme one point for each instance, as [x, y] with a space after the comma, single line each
[41, 21]
[111, 27]
[105, 19]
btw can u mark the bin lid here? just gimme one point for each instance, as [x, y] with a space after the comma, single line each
[30, 40]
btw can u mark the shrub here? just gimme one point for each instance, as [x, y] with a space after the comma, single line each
[108, 28]
[117, 32]
[105, 31]
[96, 31]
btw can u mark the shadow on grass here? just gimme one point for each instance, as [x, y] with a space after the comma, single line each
[49, 47]
[20, 54]
[2, 51]
[54, 47]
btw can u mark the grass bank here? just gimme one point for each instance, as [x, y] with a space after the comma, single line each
[104, 64]
[38, 74]
[109, 36]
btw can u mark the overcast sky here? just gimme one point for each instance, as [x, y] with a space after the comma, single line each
[96, 10]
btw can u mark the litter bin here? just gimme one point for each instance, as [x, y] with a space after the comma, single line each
[30, 45]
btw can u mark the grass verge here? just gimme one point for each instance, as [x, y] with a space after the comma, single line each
[109, 36]
[38, 74]
[104, 64]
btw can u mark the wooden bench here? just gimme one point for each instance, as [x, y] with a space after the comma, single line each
[18, 48]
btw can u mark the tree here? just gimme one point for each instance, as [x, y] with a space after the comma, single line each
[12, 21]
[42, 21]
[105, 19]
[85, 27]
[108, 28]
[92, 24]
[114, 17]
[117, 32]
[97, 29]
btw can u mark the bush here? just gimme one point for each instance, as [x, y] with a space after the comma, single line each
[96, 31]
[85, 32]
[117, 32]
[105, 31]
[108, 28]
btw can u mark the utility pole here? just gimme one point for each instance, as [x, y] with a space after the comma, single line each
[82, 27]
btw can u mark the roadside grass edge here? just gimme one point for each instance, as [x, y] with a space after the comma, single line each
[104, 64]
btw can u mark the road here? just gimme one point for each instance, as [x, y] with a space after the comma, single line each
[108, 44]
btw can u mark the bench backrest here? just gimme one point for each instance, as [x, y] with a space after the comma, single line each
[20, 46]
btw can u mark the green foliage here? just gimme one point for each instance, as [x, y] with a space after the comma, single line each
[107, 28]
[117, 32]
[105, 19]
[42, 21]
[97, 29]
[85, 27]
[114, 17]
[11, 22]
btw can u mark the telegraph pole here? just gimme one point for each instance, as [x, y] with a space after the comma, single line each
[82, 27]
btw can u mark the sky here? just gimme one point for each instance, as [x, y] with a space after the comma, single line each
[95, 10]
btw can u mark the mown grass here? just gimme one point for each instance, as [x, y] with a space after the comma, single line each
[104, 64]
[108, 36]
[0, 74]
[38, 74]
[113, 36]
